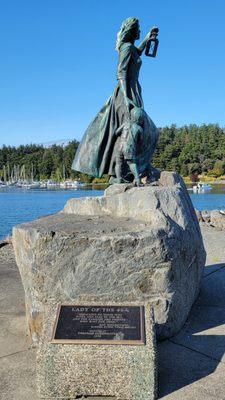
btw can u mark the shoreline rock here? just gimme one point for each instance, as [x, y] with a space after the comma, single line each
[214, 218]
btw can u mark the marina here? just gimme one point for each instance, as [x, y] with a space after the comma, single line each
[21, 177]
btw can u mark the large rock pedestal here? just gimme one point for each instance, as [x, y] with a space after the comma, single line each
[142, 244]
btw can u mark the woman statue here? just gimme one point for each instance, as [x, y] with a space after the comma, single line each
[97, 153]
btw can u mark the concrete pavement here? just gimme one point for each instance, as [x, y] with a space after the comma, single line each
[191, 364]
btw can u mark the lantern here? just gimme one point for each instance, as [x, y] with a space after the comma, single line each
[152, 45]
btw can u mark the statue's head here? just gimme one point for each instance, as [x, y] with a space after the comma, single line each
[129, 32]
[137, 115]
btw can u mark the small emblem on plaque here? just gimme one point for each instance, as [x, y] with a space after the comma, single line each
[93, 324]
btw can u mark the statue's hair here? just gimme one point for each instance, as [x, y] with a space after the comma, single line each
[124, 34]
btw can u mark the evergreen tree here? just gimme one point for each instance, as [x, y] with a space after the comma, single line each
[187, 150]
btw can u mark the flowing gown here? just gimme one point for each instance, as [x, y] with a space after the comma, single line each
[95, 152]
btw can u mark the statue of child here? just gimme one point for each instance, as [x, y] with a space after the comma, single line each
[129, 138]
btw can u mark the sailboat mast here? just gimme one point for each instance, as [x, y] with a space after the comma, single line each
[4, 173]
[32, 172]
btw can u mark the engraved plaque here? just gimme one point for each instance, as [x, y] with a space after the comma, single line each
[93, 324]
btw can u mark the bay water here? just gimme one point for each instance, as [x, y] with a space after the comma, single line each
[18, 205]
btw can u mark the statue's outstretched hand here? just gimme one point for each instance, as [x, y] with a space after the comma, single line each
[152, 34]
[154, 31]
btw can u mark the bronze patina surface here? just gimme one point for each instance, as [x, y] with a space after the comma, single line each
[121, 139]
[90, 324]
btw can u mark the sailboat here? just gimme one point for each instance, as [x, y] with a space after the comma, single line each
[3, 183]
[63, 184]
[29, 184]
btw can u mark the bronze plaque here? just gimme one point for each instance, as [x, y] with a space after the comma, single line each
[92, 324]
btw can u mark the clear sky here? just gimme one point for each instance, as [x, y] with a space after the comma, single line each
[58, 64]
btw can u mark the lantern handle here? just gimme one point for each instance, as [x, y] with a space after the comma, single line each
[154, 32]
[152, 39]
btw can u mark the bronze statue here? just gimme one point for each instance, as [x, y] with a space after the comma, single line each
[120, 141]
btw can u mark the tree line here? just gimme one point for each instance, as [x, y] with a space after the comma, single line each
[187, 150]
[192, 149]
[53, 162]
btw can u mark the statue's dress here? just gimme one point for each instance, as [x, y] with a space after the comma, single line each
[95, 151]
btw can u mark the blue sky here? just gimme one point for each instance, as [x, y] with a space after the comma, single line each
[58, 64]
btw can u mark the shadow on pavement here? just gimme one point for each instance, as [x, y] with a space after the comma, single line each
[199, 348]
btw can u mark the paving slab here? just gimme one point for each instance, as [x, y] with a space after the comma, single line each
[12, 334]
[210, 269]
[188, 393]
[205, 332]
[17, 376]
[11, 289]
[212, 291]
[214, 244]
[187, 374]
[191, 364]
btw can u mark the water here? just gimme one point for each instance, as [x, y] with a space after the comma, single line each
[212, 200]
[17, 205]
